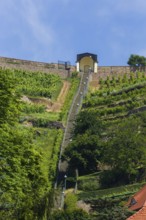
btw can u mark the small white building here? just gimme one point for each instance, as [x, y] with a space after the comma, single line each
[86, 62]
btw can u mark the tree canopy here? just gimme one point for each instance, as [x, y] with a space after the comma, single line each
[23, 186]
[85, 150]
[9, 99]
[136, 60]
[125, 151]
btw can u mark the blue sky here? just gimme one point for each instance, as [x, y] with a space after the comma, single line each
[52, 30]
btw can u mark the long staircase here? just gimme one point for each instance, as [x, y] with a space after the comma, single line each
[75, 107]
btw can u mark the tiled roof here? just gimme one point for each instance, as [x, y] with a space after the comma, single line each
[140, 215]
[138, 200]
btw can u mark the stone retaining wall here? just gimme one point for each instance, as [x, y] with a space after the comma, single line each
[12, 63]
[103, 71]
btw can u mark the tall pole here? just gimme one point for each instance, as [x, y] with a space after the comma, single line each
[65, 182]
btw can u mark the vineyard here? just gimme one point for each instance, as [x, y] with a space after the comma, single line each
[108, 147]
[29, 167]
[117, 97]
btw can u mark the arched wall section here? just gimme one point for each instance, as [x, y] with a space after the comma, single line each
[86, 63]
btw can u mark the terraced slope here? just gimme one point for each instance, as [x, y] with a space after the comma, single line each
[117, 100]
[30, 145]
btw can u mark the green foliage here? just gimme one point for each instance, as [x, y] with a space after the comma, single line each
[25, 153]
[33, 108]
[114, 177]
[37, 83]
[23, 184]
[9, 99]
[54, 156]
[125, 150]
[70, 202]
[109, 210]
[136, 60]
[74, 74]
[85, 150]
[69, 99]
[83, 153]
[39, 119]
[119, 143]
[116, 146]
[77, 214]
[40, 122]
[110, 192]
[89, 184]
[88, 121]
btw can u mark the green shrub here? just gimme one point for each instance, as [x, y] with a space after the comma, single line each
[33, 108]
[74, 74]
[88, 185]
[112, 178]
[77, 214]
[70, 202]
[37, 83]
[40, 122]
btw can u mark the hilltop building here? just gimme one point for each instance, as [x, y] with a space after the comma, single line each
[86, 61]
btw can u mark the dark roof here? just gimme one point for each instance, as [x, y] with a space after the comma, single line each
[82, 55]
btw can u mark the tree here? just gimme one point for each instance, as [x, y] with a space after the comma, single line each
[137, 61]
[125, 150]
[9, 98]
[23, 186]
[88, 121]
[84, 152]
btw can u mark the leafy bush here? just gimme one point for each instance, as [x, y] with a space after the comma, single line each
[77, 214]
[114, 212]
[70, 202]
[74, 74]
[39, 122]
[33, 108]
[88, 185]
[110, 178]
[37, 83]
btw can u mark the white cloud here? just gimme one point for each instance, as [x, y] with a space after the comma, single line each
[25, 30]
[32, 15]
[134, 6]
[108, 9]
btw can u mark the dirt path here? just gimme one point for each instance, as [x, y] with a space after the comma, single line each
[63, 93]
[56, 106]
[51, 106]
